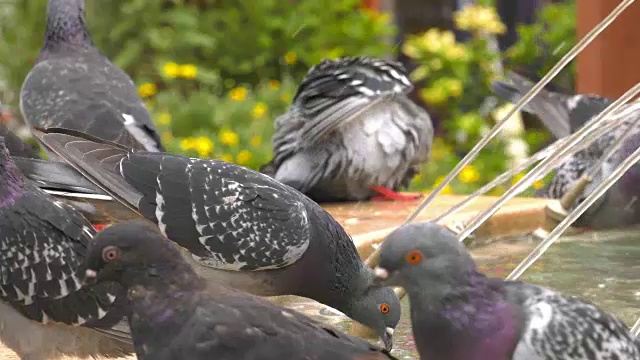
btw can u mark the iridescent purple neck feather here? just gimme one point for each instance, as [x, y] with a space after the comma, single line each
[66, 30]
[11, 180]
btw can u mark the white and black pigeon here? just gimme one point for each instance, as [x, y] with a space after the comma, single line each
[74, 86]
[563, 114]
[351, 133]
[458, 313]
[237, 226]
[42, 302]
[177, 314]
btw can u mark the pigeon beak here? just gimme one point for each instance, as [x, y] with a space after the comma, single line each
[381, 277]
[387, 338]
[90, 277]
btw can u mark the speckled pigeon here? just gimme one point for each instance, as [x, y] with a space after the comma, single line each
[177, 314]
[237, 226]
[563, 114]
[351, 133]
[42, 242]
[458, 313]
[73, 85]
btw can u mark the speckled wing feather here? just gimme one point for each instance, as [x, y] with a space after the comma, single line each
[335, 92]
[229, 217]
[42, 244]
[232, 325]
[560, 327]
[85, 92]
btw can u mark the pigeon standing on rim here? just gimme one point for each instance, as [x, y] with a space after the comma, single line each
[458, 313]
[177, 314]
[41, 299]
[351, 133]
[237, 226]
[563, 114]
[73, 85]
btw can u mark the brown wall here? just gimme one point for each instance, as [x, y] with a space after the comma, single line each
[610, 65]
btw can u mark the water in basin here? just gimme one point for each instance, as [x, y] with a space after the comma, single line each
[596, 268]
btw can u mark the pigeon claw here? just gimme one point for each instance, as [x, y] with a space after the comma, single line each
[387, 194]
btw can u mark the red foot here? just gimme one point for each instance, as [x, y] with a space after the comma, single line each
[388, 194]
[100, 227]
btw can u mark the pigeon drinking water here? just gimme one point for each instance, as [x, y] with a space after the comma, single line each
[458, 313]
[73, 85]
[41, 300]
[176, 314]
[237, 226]
[351, 132]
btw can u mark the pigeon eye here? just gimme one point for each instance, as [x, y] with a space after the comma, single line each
[110, 253]
[414, 257]
[384, 308]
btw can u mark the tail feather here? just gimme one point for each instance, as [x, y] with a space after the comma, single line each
[550, 107]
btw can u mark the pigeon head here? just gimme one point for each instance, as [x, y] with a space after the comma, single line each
[11, 180]
[129, 253]
[423, 256]
[66, 28]
[380, 310]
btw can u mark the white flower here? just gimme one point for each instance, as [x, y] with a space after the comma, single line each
[518, 150]
[514, 126]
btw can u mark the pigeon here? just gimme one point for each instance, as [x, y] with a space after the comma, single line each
[458, 313]
[42, 301]
[73, 85]
[351, 133]
[236, 226]
[177, 314]
[564, 114]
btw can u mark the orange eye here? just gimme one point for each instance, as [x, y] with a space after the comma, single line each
[384, 308]
[110, 253]
[414, 257]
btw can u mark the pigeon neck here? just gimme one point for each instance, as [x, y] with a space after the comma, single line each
[470, 320]
[11, 181]
[165, 277]
[66, 30]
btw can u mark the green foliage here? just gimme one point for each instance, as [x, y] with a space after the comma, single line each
[545, 42]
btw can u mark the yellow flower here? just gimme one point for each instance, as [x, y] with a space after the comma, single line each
[455, 52]
[538, 184]
[435, 64]
[187, 143]
[455, 87]
[164, 119]
[469, 174]
[290, 57]
[258, 110]
[274, 84]
[238, 94]
[188, 71]
[171, 70]
[478, 18]
[243, 157]
[255, 140]
[203, 145]
[434, 95]
[226, 158]
[447, 189]
[517, 178]
[147, 90]
[229, 138]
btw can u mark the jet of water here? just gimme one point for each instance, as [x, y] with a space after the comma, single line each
[549, 162]
[580, 209]
[584, 42]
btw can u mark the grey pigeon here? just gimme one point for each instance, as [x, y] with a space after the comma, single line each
[458, 313]
[563, 114]
[351, 133]
[177, 314]
[43, 241]
[237, 226]
[73, 85]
